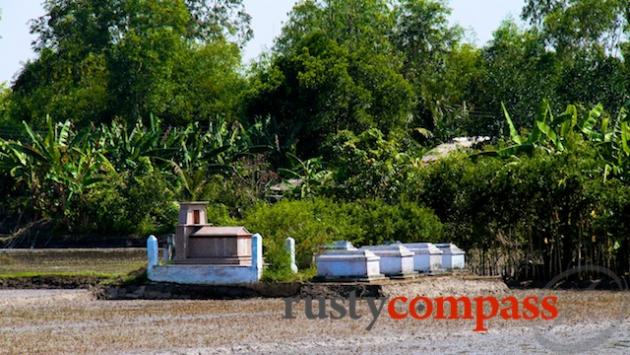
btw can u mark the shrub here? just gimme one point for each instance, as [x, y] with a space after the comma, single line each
[305, 221]
[218, 215]
[405, 222]
[279, 268]
[366, 165]
[144, 205]
[553, 208]
[317, 222]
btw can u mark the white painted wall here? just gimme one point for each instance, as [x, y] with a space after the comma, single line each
[395, 259]
[350, 263]
[207, 274]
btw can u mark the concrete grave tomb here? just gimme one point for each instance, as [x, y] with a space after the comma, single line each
[197, 242]
[205, 254]
[395, 259]
[452, 256]
[427, 257]
[342, 260]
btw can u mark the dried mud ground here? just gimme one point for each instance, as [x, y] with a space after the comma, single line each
[73, 321]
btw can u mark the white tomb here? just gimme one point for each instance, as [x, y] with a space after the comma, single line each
[396, 260]
[427, 257]
[452, 256]
[342, 260]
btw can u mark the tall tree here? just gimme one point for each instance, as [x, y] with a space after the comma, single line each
[99, 59]
[569, 24]
[572, 53]
[423, 34]
[520, 72]
[333, 68]
[4, 103]
[220, 18]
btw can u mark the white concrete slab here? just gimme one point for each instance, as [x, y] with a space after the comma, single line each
[453, 257]
[427, 257]
[395, 259]
[343, 261]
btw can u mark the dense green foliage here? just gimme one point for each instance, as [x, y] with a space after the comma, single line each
[317, 222]
[99, 60]
[333, 69]
[132, 105]
[116, 178]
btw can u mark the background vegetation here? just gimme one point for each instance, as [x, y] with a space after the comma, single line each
[132, 105]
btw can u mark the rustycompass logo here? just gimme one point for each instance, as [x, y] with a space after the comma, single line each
[478, 310]
[589, 339]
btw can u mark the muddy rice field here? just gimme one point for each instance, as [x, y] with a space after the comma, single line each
[74, 321]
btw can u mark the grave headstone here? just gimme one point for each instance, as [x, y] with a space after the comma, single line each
[205, 254]
[197, 242]
[152, 252]
[289, 245]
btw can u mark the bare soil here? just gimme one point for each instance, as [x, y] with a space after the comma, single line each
[73, 321]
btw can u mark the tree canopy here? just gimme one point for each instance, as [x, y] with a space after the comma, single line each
[399, 66]
[571, 24]
[129, 58]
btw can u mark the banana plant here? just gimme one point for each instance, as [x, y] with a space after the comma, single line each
[191, 183]
[128, 148]
[548, 132]
[555, 134]
[203, 154]
[310, 172]
[57, 167]
[615, 146]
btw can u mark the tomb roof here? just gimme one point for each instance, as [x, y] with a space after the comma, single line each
[209, 231]
[449, 248]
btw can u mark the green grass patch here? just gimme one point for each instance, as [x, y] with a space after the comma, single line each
[70, 262]
[70, 268]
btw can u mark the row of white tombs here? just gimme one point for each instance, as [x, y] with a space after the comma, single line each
[342, 260]
[337, 261]
[201, 253]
